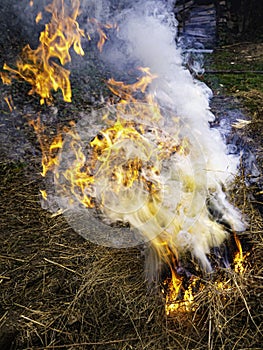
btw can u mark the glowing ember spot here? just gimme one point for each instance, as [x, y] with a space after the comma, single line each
[222, 286]
[38, 67]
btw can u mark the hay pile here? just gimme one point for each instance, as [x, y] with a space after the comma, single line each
[59, 291]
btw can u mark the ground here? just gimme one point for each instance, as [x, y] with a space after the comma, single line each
[59, 291]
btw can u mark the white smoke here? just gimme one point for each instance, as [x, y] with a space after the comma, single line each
[147, 37]
[148, 33]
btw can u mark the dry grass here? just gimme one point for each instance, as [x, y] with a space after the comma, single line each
[59, 291]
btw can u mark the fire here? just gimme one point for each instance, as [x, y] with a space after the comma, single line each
[38, 67]
[9, 102]
[5, 78]
[239, 259]
[185, 302]
[130, 166]
[108, 165]
[123, 174]
[78, 174]
[120, 173]
[100, 28]
[179, 299]
[121, 167]
[126, 91]
[49, 149]
[44, 194]
[39, 17]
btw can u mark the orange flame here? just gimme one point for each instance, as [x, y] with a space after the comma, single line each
[39, 17]
[125, 91]
[9, 102]
[100, 29]
[186, 301]
[177, 298]
[49, 149]
[5, 78]
[37, 67]
[82, 172]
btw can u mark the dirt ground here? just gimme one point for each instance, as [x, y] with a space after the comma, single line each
[59, 291]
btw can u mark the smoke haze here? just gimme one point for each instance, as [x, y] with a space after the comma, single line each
[147, 37]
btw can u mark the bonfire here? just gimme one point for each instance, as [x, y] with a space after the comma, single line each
[145, 173]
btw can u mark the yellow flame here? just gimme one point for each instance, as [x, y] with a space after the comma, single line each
[5, 77]
[38, 17]
[179, 299]
[38, 67]
[44, 194]
[106, 159]
[9, 102]
[239, 259]
[100, 28]
[78, 174]
[126, 91]
[49, 149]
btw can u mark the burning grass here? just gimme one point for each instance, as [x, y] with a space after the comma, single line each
[60, 291]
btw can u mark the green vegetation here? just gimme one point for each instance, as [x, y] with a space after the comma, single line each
[235, 69]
